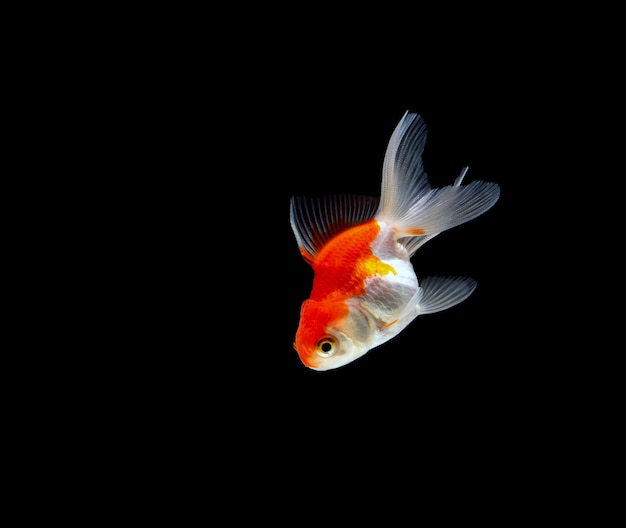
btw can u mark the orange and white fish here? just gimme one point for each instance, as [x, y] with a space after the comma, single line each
[365, 290]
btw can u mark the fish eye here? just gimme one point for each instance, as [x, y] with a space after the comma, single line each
[326, 347]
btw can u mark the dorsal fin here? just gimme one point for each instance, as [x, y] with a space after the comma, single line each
[317, 220]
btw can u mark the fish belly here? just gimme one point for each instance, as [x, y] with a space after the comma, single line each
[387, 295]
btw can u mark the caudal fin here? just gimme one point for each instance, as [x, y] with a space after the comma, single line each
[409, 202]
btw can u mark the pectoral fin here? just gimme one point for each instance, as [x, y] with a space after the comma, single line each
[441, 293]
[434, 295]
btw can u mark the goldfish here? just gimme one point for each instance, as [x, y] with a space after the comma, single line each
[365, 289]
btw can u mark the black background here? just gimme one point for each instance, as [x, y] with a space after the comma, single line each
[228, 280]
[217, 155]
[202, 279]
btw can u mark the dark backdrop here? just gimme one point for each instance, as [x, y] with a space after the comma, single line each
[208, 280]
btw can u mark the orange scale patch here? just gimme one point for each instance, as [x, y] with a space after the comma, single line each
[344, 263]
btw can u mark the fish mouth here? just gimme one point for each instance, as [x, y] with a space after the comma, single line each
[308, 361]
[307, 358]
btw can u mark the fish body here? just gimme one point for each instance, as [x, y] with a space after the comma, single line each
[365, 289]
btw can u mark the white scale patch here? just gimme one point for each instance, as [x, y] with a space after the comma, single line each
[387, 295]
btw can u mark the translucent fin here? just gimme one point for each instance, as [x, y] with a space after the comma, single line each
[410, 204]
[404, 178]
[447, 207]
[434, 295]
[317, 220]
[441, 293]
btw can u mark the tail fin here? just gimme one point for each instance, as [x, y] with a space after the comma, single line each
[409, 202]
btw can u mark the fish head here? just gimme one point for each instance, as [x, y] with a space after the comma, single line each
[333, 333]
